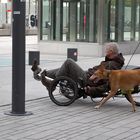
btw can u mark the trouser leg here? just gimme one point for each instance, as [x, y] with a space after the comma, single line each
[52, 73]
[72, 70]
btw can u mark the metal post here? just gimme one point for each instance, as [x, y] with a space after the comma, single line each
[18, 59]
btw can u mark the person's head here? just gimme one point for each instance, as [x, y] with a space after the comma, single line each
[111, 49]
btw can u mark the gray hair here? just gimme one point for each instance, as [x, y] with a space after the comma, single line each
[112, 46]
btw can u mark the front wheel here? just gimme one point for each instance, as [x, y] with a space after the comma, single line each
[63, 91]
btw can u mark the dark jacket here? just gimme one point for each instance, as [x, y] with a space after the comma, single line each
[111, 64]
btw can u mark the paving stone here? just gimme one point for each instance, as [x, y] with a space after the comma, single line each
[75, 122]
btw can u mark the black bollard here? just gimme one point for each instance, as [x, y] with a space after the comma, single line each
[18, 59]
[72, 53]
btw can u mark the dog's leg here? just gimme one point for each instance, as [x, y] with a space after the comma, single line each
[132, 101]
[111, 94]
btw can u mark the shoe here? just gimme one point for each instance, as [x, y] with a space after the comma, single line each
[36, 70]
[35, 66]
[46, 82]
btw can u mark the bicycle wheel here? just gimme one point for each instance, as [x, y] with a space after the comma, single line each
[63, 91]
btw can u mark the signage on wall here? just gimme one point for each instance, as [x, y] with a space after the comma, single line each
[33, 20]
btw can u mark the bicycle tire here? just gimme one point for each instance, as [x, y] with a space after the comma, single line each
[68, 94]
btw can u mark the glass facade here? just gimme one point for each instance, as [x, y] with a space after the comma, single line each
[95, 21]
[67, 20]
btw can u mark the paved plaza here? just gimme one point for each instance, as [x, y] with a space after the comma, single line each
[79, 121]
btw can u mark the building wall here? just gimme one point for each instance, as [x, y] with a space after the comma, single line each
[86, 49]
[90, 24]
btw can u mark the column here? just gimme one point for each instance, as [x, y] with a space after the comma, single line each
[119, 29]
[101, 22]
[53, 20]
[59, 20]
[81, 30]
[108, 20]
[133, 20]
[73, 21]
[87, 21]
[40, 3]
[92, 21]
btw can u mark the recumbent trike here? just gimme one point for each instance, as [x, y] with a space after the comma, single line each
[64, 91]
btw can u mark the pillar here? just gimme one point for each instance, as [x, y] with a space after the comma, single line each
[73, 21]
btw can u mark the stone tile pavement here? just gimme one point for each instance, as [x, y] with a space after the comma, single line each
[79, 121]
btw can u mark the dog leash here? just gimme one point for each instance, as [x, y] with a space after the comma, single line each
[132, 54]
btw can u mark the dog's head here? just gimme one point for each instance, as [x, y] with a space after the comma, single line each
[101, 73]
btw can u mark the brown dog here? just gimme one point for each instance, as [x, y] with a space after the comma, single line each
[118, 79]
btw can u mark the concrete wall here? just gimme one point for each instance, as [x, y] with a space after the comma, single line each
[84, 48]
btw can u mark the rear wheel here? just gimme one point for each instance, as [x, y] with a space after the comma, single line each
[63, 91]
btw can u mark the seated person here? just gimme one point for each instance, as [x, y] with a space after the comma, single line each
[113, 61]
